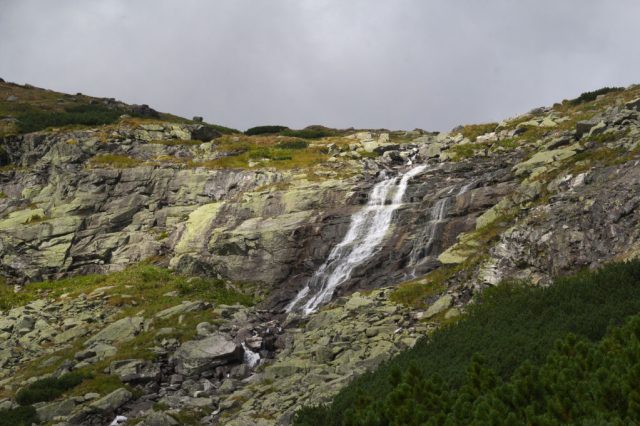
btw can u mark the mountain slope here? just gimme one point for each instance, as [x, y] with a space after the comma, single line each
[116, 189]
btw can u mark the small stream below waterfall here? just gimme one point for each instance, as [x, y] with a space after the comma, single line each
[367, 230]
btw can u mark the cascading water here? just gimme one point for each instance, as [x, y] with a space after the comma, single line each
[423, 246]
[250, 358]
[367, 230]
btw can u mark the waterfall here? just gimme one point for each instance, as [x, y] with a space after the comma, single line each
[423, 245]
[367, 230]
[250, 358]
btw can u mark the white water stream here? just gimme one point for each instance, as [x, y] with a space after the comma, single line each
[367, 230]
[250, 358]
[424, 244]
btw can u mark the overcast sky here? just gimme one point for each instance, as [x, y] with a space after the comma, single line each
[397, 64]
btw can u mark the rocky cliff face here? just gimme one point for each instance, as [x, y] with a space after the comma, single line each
[531, 198]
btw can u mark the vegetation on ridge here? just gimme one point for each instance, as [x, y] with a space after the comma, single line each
[510, 325]
[591, 96]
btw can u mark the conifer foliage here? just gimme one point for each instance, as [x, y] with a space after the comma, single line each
[567, 354]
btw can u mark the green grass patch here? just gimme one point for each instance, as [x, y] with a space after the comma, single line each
[145, 283]
[511, 324]
[507, 144]
[48, 389]
[467, 150]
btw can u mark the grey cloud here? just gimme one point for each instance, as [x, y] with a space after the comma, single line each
[363, 63]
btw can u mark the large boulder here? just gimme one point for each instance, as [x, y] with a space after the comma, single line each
[440, 305]
[196, 356]
[112, 401]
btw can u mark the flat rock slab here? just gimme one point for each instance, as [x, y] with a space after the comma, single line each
[120, 331]
[196, 356]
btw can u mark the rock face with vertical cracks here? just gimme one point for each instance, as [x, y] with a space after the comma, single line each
[63, 212]
[269, 227]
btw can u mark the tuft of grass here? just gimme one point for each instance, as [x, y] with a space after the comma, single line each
[467, 150]
[507, 144]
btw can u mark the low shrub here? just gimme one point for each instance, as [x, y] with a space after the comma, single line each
[88, 115]
[591, 96]
[47, 389]
[19, 416]
[579, 382]
[265, 130]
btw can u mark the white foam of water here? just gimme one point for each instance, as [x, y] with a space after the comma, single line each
[250, 357]
[119, 420]
[367, 230]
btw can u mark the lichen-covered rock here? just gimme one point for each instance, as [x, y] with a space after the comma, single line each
[196, 356]
[119, 331]
[49, 412]
[134, 370]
